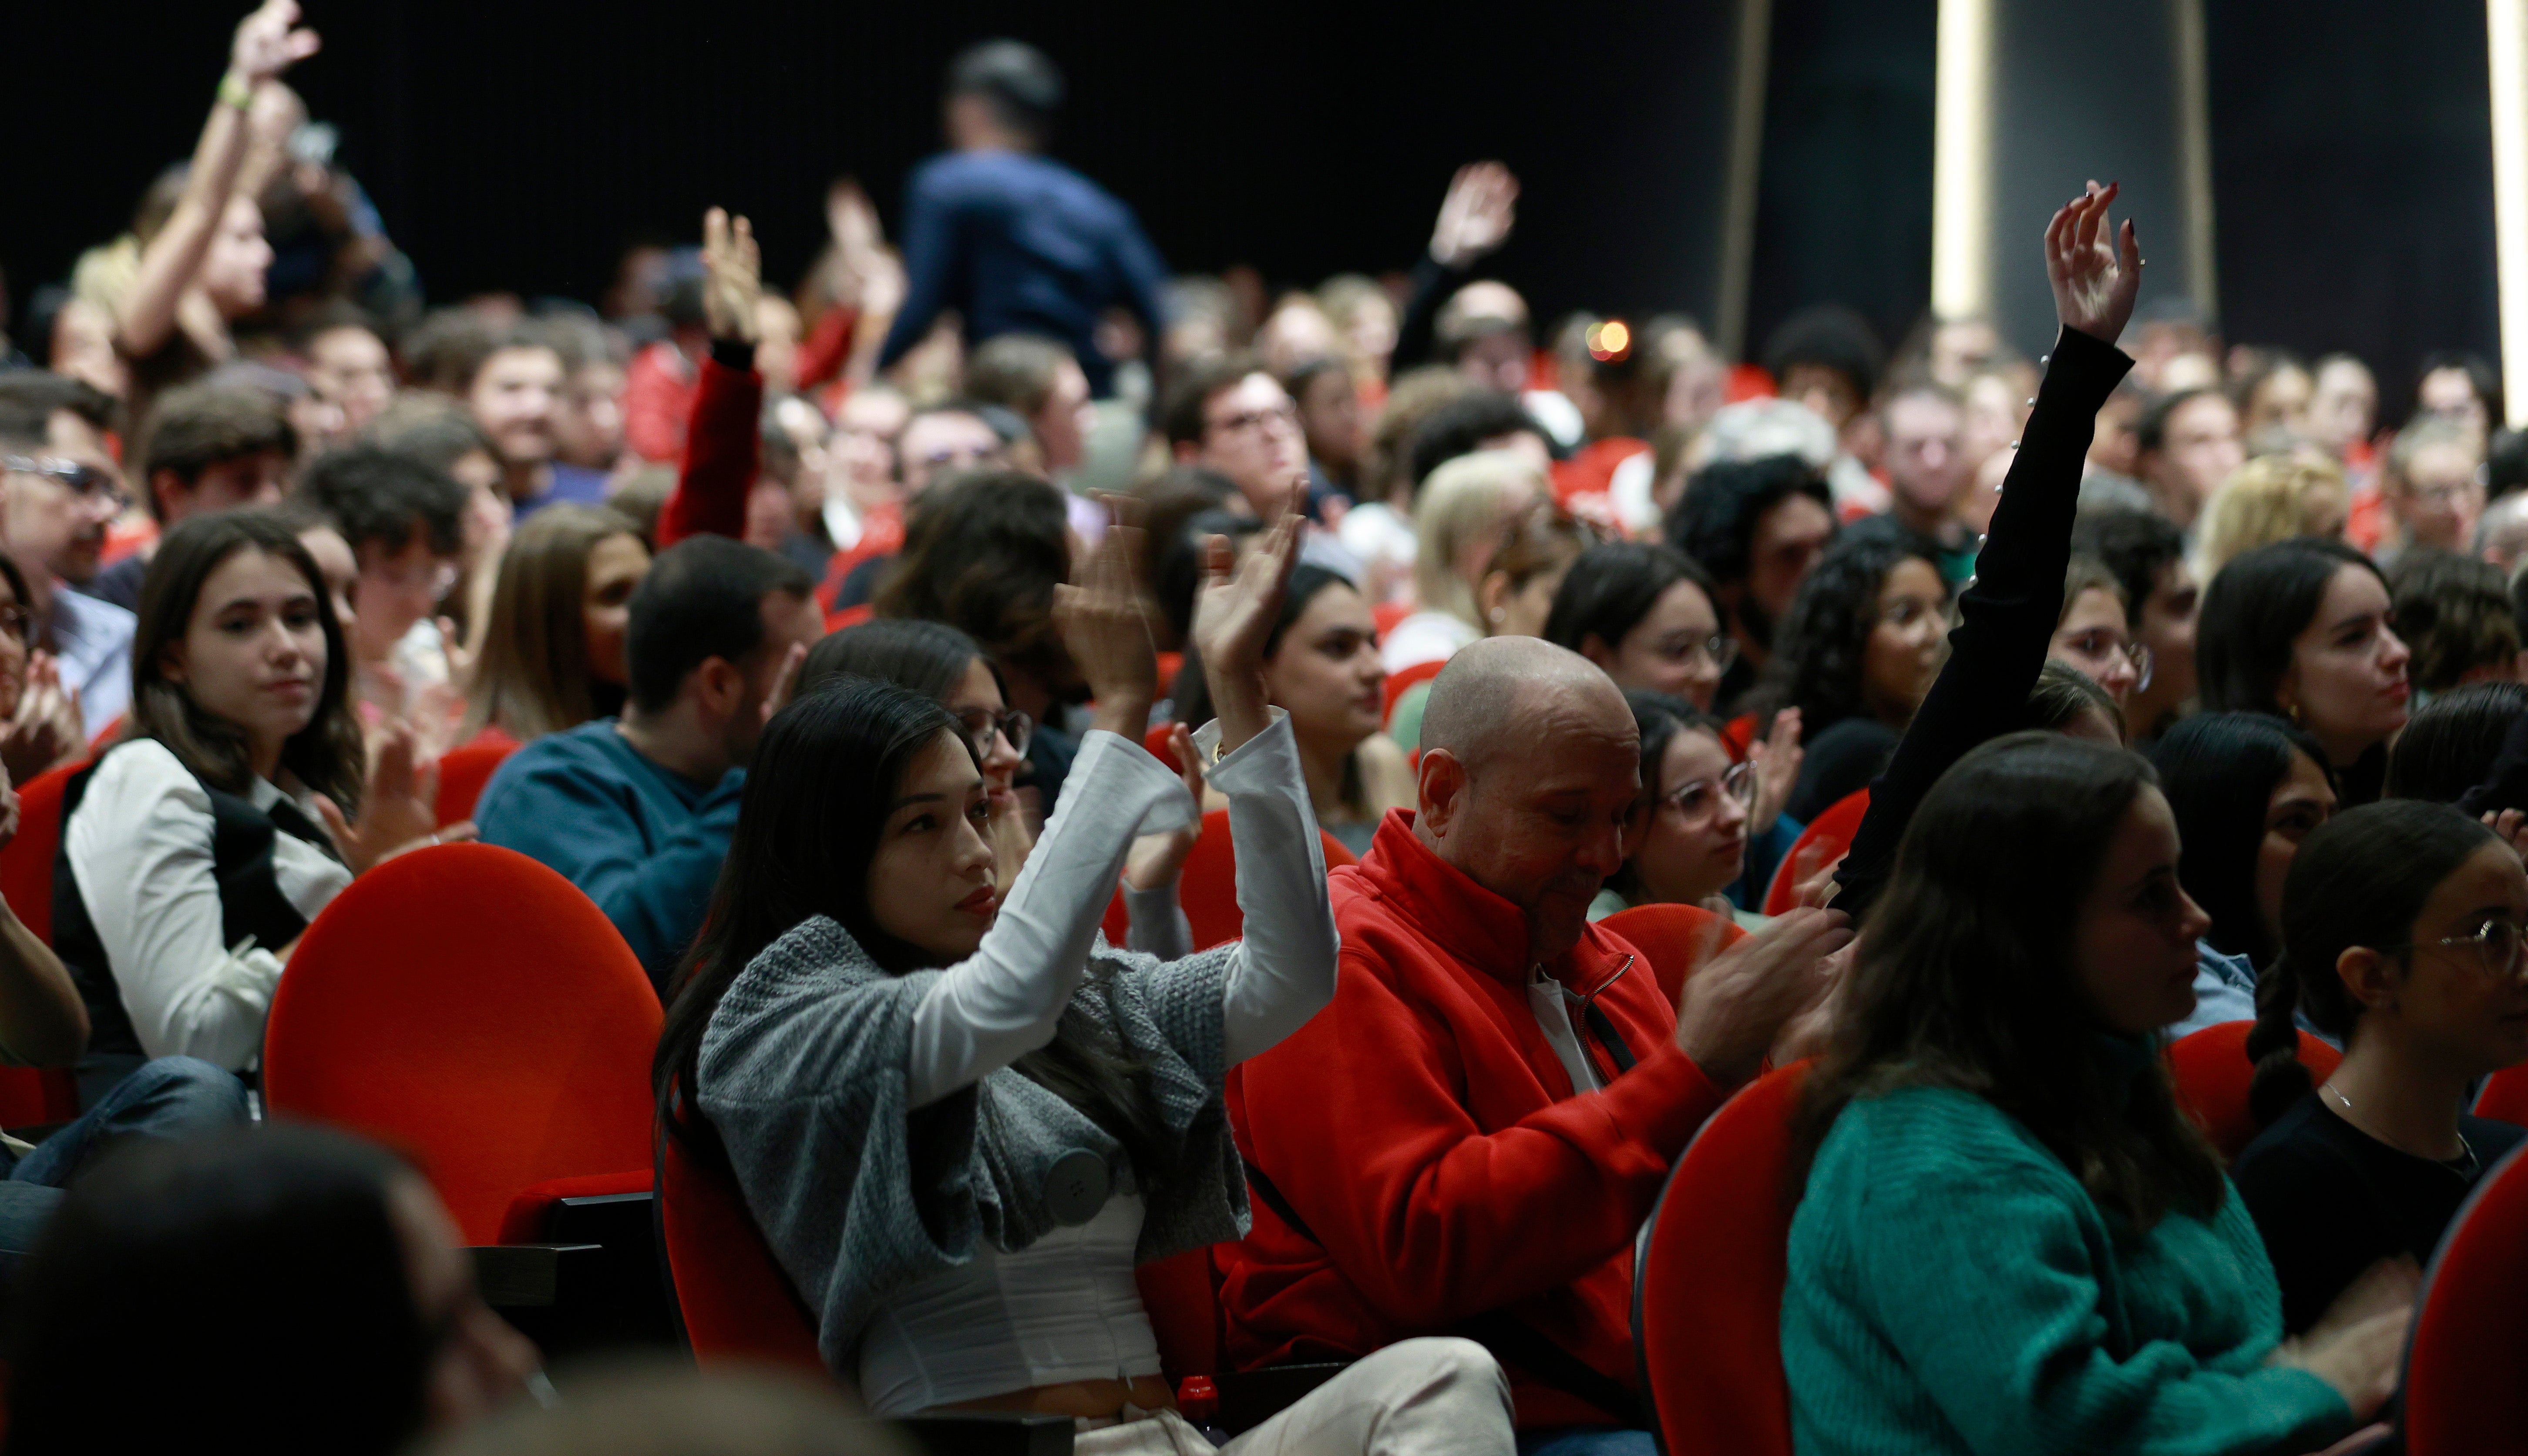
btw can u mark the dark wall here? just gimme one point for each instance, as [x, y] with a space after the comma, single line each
[2352, 180]
[1844, 209]
[519, 145]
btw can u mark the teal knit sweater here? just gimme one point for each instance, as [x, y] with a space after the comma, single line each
[1954, 1289]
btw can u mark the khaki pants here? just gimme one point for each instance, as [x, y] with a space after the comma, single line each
[1418, 1398]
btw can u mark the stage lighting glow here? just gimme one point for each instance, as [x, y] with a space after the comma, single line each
[2507, 34]
[1610, 339]
[1961, 161]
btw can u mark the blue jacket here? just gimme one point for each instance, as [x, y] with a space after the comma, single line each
[644, 843]
[1021, 244]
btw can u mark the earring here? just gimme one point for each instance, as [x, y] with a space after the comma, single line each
[2293, 713]
[1498, 616]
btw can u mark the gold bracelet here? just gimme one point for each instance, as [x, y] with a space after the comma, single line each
[236, 90]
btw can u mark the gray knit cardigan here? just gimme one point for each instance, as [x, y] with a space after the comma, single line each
[802, 1074]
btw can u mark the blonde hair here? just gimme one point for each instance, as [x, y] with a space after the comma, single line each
[1462, 501]
[2270, 499]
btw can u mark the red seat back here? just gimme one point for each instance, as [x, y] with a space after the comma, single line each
[2212, 1072]
[2505, 1098]
[1397, 683]
[1387, 614]
[1181, 1295]
[464, 770]
[471, 1007]
[1708, 1282]
[737, 1304]
[1832, 830]
[2463, 1390]
[1208, 886]
[27, 861]
[1676, 940]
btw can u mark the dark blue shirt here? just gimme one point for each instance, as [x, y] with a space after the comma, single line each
[1021, 244]
[644, 843]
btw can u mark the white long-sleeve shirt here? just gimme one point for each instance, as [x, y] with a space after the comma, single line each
[1006, 999]
[140, 851]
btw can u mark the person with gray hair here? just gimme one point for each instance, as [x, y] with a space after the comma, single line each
[1468, 1138]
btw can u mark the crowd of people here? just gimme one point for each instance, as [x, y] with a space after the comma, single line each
[854, 649]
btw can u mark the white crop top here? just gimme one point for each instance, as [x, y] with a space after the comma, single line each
[1064, 1308]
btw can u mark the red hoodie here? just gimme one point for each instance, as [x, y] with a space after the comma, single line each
[1427, 1135]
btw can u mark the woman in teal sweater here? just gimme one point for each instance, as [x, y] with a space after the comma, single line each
[2011, 1240]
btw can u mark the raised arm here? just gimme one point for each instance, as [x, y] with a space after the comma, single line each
[1475, 219]
[1004, 1001]
[2007, 614]
[721, 442]
[267, 42]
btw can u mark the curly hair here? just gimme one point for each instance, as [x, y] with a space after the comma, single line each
[982, 553]
[1818, 650]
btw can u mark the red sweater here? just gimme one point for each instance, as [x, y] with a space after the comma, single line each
[1428, 1136]
[720, 454]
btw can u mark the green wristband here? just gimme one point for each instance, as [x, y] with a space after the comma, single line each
[236, 90]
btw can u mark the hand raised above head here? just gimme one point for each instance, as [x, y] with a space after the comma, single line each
[1477, 215]
[2093, 267]
[269, 41]
[1102, 626]
[732, 277]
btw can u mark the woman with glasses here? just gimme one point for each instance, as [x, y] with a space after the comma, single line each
[944, 665]
[1644, 612]
[1321, 667]
[2306, 629]
[1856, 656]
[2092, 635]
[2401, 935]
[1692, 845]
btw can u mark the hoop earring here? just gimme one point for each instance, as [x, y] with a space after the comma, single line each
[2293, 713]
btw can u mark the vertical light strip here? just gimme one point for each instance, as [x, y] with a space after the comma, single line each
[2194, 155]
[1754, 53]
[1961, 161]
[2507, 31]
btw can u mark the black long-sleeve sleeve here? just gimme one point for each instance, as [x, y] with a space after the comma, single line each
[2007, 615]
[1428, 287]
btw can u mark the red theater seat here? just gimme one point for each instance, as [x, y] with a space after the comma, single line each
[1832, 830]
[1208, 886]
[464, 770]
[2505, 1098]
[736, 1304]
[2464, 1361]
[2212, 1072]
[1676, 940]
[1707, 1280]
[472, 1007]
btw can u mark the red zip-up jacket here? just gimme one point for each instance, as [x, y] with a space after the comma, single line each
[1429, 1138]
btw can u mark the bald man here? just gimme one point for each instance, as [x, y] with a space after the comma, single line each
[1468, 1138]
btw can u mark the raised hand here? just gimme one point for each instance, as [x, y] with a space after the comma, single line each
[397, 812]
[1476, 216]
[2094, 268]
[269, 42]
[1102, 625]
[1775, 758]
[1232, 614]
[732, 277]
[1736, 1006]
[47, 728]
[1157, 859]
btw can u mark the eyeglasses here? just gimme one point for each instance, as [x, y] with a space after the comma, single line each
[1696, 799]
[87, 481]
[2496, 944]
[1721, 650]
[19, 623]
[982, 723]
[1286, 415]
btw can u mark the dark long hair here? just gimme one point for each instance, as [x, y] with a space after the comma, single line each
[2361, 879]
[2253, 613]
[1192, 700]
[1613, 586]
[2450, 744]
[2219, 772]
[1965, 977]
[983, 553]
[326, 754]
[1660, 717]
[1821, 642]
[808, 827]
[281, 1238]
[929, 658]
